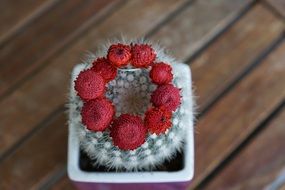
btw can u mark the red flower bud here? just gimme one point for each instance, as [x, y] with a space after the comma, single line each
[142, 55]
[158, 120]
[161, 73]
[89, 85]
[105, 69]
[119, 54]
[166, 95]
[97, 114]
[128, 132]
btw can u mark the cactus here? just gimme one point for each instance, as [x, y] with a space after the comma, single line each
[130, 93]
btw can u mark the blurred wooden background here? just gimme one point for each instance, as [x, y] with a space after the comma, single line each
[236, 51]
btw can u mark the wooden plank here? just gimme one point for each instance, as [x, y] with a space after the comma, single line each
[234, 52]
[238, 27]
[15, 14]
[258, 164]
[232, 119]
[279, 5]
[31, 94]
[27, 169]
[44, 37]
[256, 48]
[59, 72]
[197, 25]
[221, 9]
[255, 34]
[63, 184]
[36, 100]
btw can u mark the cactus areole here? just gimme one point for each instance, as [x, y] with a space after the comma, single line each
[118, 136]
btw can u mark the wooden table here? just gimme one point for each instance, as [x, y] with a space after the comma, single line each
[235, 48]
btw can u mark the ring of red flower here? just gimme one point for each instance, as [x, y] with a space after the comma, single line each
[128, 131]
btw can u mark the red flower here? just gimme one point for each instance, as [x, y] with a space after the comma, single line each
[97, 114]
[119, 54]
[142, 55]
[158, 120]
[161, 73]
[104, 68]
[166, 95]
[128, 132]
[89, 85]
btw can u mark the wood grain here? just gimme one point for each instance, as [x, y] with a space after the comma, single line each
[232, 119]
[197, 25]
[32, 101]
[279, 5]
[25, 168]
[15, 14]
[34, 97]
[36, 92]
[34, 56]
[259, 163]
[59, 71]
[44, 37]
[234, 52]
[63, 184]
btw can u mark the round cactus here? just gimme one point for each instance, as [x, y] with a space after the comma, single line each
[130, 92]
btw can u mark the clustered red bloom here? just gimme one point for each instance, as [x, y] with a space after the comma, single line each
[119, 54]
[89, 85]
[161, 73]
[105, 69]
[158, 120]
[166, 95]
[97, 114]
[128, 132]
[143, 55]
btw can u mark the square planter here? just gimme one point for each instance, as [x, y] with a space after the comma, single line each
[178, 179]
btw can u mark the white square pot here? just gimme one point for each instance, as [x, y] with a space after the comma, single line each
[157, 180]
